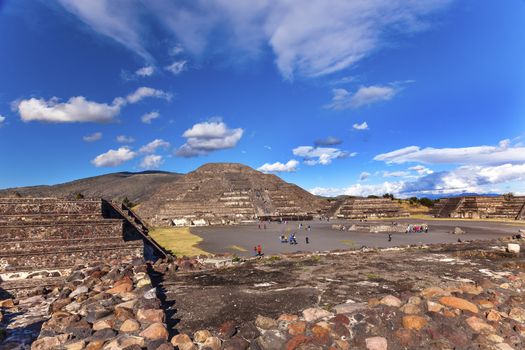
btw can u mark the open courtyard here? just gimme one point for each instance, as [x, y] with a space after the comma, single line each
[241, 239]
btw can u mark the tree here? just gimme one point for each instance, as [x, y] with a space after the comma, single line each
[79, 196]
[372, 196]
[427, 202]
[389, 195]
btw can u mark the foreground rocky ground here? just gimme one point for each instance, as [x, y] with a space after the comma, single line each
[461, 296]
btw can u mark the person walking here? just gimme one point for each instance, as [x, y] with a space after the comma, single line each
[390, 237]
[307, 240]
[259, 250]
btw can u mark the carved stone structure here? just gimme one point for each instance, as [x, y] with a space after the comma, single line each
[368, 208]
[481, 207]
[223, 193]
[42, 238]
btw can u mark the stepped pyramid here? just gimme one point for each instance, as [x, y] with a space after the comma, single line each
[221, 193]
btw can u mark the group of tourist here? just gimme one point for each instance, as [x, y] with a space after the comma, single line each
[417, 228]
[292, 239]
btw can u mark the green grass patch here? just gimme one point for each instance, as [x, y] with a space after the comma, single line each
[178, 240]
[238, 248]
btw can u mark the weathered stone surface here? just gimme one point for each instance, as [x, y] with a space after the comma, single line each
[459, 303]
[150, 315]
[314, 314]
[155, 331]
[376, 343]
[130, 326]
[349, 308]
[213, 343]
[517, 314]
[271, 340]
[433, 306]
[414, 322]
[265, 322]
[297, 341]
[478, 325]
[297, 328]
[391, 300]
[201, 336]
[183, 342]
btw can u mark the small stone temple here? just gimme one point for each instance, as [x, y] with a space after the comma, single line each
[369, 208]
[481, 207]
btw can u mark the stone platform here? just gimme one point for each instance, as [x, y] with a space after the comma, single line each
[43, 238]
[481, 207]
[369, 208]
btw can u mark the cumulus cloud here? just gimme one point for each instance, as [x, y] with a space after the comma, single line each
[125, 139]
[464, 179]
[154, 145]
[307, 38]
[362, 126]
[76, 109]
[176, 67]
[365, 95]
[146, 71]
[2, 119]
[93, 137]
[206, 137]
[114, 158]
[151, 161]
[320, 155]
[148, 117]
[421, 170]
[360, 190]
[329, 141]
[278, 167]
[364, 175]
[79, 109]
[143, 92]
[488, 155]
[395, 173]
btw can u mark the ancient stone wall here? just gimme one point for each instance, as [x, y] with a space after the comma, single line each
[365, 208]
[481, 207]
[40, 234]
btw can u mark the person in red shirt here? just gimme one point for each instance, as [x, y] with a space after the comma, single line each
[259, 250]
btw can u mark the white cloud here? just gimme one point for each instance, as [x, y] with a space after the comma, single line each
[151, 161]
[307, 38]
[395, 173]
[148, 117]
[364, 175]
[176, 50]
[207, 137]
[362, 126]
[143, 92]
[320, 155]
[76, 109]
[2, 119]
[115, 19]
[93, 137]
[146, 71]
[365, 95]
[278, 167]
[154, 145]
[329, 141]
[360, 189]
[125, 139]
[114, 157]
[488, 155]
[176, 67]
[464, 179]
[79, 109]
[421, 170]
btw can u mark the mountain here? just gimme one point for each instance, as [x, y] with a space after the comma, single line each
[226, 192]
[137, 187]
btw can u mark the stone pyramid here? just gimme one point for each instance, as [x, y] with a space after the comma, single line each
[221, 193]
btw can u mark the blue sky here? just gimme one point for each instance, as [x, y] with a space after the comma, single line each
[341, 97]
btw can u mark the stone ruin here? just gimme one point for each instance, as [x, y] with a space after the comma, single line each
[481, 207]
[43, 238]
[368, 208]
[227, 193]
